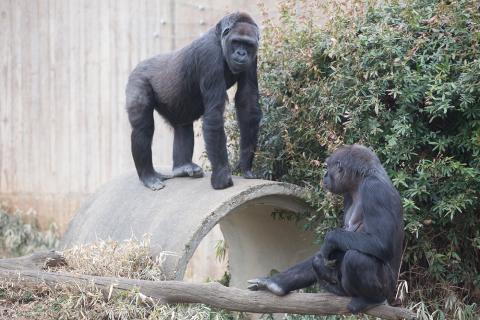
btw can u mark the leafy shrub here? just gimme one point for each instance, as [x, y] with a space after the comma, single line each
[18, 237]
[402, 77]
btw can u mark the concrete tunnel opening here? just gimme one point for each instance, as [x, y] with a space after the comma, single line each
[258, 241]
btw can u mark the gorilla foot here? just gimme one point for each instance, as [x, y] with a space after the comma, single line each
[266, 283]
[248, 174]
[221, 178]
[188, 170]
[154, 180]
[359, 304]
[333, 288]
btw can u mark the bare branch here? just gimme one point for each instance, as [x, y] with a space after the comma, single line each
[212, 294]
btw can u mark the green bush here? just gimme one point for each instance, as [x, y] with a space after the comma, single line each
[18, 237]
[402, 77]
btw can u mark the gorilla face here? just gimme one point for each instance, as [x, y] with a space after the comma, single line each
[339, 177]
[333, 178]
[239, 46]
[348, 166]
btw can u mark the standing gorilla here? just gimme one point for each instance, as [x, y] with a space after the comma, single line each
[362, 259]
[191, 82]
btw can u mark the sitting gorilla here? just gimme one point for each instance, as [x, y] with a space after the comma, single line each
[362, 259]
[189, 83]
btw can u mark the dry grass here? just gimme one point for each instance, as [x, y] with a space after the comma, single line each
[129, 259]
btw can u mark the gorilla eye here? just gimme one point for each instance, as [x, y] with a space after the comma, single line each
[226, 31]
[339, 166]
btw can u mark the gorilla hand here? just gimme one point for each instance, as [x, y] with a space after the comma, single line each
[248, 174]
[326, 249]
[266, 283]
[325, 269]
[221, 178]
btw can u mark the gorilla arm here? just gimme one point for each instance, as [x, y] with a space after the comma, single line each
[248, 115]
[214, 95]
[349, 240]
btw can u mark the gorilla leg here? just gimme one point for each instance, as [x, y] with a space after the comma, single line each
[183, 142]
[366, 279]
[140, 113]
[297, 277]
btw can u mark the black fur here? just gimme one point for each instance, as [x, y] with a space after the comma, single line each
[362, 259]
[191, 82]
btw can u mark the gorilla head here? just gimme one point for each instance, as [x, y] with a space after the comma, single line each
[348, 166]
[239, 37]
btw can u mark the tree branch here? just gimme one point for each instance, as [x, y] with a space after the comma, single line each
[213, 294]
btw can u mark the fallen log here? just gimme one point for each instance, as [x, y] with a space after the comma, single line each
[35, 261]
[213, 294]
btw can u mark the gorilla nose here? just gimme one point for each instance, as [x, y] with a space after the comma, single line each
[241, 53]
[240, 56]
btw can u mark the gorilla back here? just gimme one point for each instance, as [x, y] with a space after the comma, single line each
[191, 82]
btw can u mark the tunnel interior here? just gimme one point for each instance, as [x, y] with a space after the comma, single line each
[258, 241]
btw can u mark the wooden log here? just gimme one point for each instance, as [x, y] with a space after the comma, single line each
[36, 261]
[213, 294]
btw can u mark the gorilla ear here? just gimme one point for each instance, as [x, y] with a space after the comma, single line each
[258, 33]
